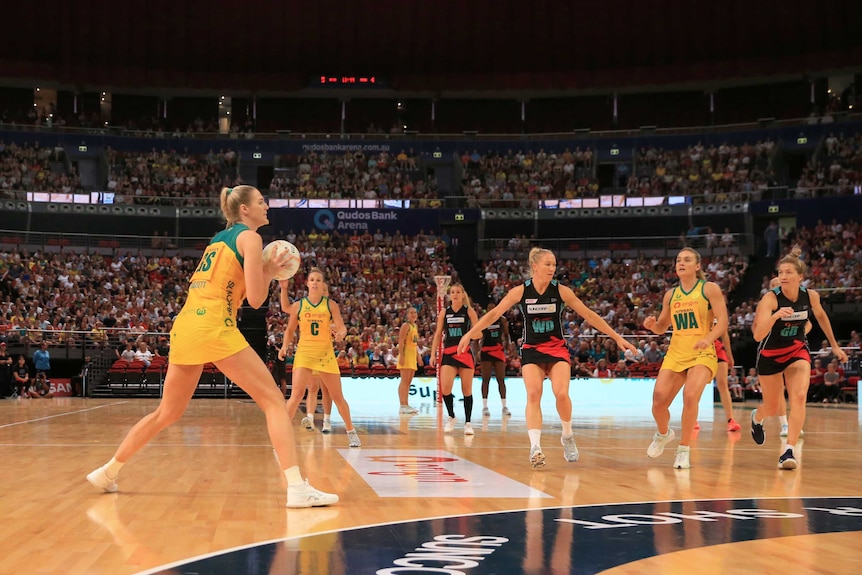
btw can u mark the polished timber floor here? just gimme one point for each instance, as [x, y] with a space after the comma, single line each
[206, 496]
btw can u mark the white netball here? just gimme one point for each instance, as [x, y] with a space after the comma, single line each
[276, 249]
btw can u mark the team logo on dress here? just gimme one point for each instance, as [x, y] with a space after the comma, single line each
[201, 311]
[228, 322]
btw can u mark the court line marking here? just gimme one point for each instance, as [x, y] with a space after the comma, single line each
[5, 425]
[180, 563]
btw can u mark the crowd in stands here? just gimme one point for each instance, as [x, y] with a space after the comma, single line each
[838, 165]
[723, 173]
[181, 177]
[833, 254]
[36, 169]
[518, 179]
[352, 175]
[719, 174]
[128, 300]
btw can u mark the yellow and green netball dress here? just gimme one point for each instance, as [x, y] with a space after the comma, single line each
[205, 329]
[691, 320]
[314, 350]
[408, 357]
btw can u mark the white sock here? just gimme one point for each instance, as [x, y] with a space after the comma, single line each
[790, 447]
[683, 448]
[325, 417]
[567, 428]
[503, 401]
[782, 419]
[485, 402]
[112, 468]
[293, 476]
[535, 437]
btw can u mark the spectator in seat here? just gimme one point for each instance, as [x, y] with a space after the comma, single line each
[735, 387]
[622, 370]
[127, 354]
[752, 382]
[602, 370]
[832, 382]
[653, 354]
[143, 353]
[815, 389]
[21, 376]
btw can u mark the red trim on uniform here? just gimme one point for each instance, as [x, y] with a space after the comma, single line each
[495, 351]
[466, 358]
[555, 348]
[720, 352]
[785, 354]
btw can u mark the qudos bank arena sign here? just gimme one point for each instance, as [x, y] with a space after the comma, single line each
[347, 221]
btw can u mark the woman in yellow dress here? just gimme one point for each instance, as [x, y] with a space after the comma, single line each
[696, 311]
[408, 359]
[319, 320]
[231, 270]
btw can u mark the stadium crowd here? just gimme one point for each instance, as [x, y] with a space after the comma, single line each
[65, 298]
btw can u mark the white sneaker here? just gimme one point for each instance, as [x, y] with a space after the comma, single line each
[506, 412]
[353, 439]
[408, 410]
[784, 431]
[570, 449]
[658, 442]
[468, 429]
[449, 425]
[486, 412]
[101, 480]
[537, 458]
[326, 427]
[682, 459]
[308, 424]
[304, 495]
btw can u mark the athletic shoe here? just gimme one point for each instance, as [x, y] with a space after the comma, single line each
[787, 461]
[101, 480]
[537, 458]
[506, 412]
[656, 448]
[326, 427]
[449, 425]
[682, 458]
[486, 412]
[353, 439]
[570, 450]
[308, 424]
[733, 426]
[408, 410]
[757, 432]
[468, 429]
[304, 495]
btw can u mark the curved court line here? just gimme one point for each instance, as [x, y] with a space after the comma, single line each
[171, 565]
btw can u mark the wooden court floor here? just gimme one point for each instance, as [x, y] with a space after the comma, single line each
[210, 483]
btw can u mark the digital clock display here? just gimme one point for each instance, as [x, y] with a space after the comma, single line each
[343, 81]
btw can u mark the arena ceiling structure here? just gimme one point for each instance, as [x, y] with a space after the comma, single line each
[441, 47]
